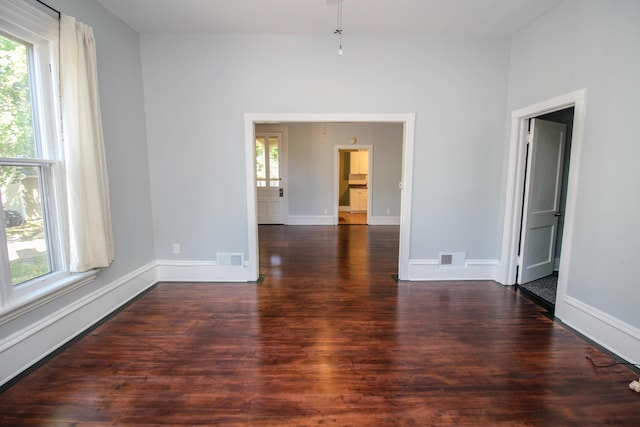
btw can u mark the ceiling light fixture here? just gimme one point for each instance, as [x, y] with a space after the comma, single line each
[338, 30]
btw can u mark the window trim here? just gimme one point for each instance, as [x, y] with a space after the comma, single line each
[29, 24]
[63, 284]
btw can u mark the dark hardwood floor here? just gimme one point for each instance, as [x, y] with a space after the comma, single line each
[348, 218]
[328, 338]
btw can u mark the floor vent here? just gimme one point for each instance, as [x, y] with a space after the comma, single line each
[230, 259]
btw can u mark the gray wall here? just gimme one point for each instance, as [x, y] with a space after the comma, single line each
[122, 105]
[593, 44]
[198, 88]
[311, 164]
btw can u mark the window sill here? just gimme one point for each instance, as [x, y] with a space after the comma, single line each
[37, 298]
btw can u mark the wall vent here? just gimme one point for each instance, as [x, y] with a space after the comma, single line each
[453, 259]
[446, 259]
[230, 259]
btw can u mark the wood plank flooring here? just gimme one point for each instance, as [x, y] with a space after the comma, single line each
[348, 218]
[327, 339]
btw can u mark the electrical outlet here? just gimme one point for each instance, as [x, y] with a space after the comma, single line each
[388, 211]
[176, 248]
[326, 211]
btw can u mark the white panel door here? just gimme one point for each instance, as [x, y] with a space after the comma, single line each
[542, 199]
[270, 190]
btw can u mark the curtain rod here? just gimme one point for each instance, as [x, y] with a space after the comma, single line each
[50, 8]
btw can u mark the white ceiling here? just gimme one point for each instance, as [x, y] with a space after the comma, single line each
[475, 18]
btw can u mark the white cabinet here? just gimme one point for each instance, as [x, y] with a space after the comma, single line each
[358, 198]
[359, 162]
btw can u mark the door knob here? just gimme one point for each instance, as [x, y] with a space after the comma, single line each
[282, 192]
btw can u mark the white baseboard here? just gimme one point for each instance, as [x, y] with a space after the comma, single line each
[613, 334]
[199, 271]
[29, 345]
[311, 220]
[384, 220]
[474, 269]
[329, 220]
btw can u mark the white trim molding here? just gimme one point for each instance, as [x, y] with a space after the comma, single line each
[613, 334]
[609, 332]
[45, 295]
[408, 122]
[27, 346]
[473, 269]
[201, 271]
[336, 176]
[514, 181]
[384, 220]
[311, 220]
[515, 188]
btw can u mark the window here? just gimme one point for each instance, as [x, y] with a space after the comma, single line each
[32, 253]
[268, 160]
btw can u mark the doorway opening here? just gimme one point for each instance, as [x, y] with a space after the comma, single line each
[511, 260]
[408, 126]
[354, 174]
[545, 194]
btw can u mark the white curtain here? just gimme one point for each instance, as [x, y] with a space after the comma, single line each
[90, 231]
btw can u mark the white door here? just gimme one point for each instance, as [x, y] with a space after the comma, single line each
[541, 200]
[270, 190]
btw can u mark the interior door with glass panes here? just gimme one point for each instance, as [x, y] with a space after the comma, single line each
[270, 191]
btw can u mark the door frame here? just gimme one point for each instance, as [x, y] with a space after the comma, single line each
[516, 166]
[408, 131]
[336, 177]
[284, 165]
